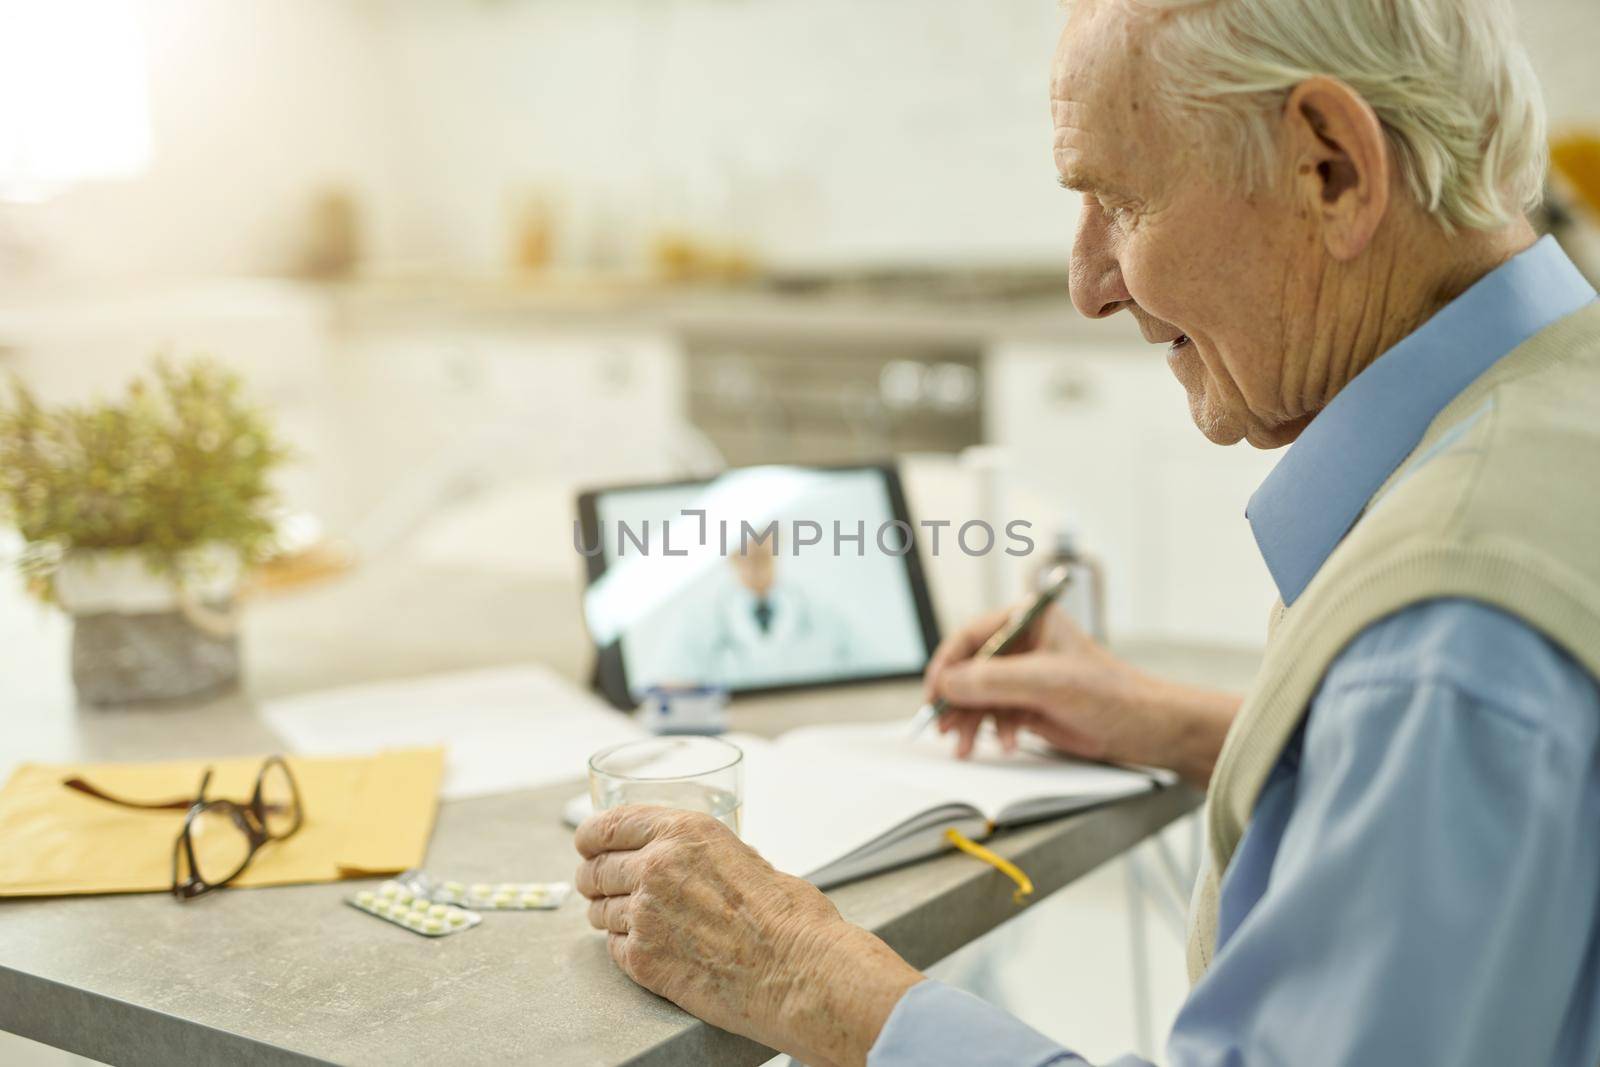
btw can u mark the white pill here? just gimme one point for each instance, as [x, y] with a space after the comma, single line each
[433, 926]
[458, 918]
[437, 911]
[482, 889]
[532, 900]
[389, 889]
[366, 897]
[455, 887]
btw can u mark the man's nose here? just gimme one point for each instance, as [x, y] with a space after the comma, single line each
[1096, 276]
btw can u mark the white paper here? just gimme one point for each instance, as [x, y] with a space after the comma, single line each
[991, 780]
[802, 812]
[819, 793]
[502, 729]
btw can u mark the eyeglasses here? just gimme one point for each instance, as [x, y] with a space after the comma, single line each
[219, 837]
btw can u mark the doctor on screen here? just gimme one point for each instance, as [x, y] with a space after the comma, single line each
[760, 629]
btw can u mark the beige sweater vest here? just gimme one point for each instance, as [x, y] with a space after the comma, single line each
[1499, 502]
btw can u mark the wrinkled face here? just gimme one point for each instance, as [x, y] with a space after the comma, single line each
[755, 568]
[1225, 283]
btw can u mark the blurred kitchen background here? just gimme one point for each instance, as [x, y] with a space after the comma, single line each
[477, 248]
[477, 254]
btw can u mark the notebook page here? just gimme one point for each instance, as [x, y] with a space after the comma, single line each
[802, 811]
[991, 781]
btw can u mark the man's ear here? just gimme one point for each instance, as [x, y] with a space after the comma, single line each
[1341, 160]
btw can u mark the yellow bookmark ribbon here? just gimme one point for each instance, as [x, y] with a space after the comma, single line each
[993, 859]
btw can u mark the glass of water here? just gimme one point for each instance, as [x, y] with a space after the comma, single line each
[692, 773]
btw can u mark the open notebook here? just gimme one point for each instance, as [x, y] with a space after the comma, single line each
[836, 803]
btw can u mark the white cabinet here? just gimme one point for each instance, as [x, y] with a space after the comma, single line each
[458, 407]
[1099, 437]
[397, 411]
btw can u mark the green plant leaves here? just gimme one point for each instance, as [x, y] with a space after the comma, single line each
[182, 459]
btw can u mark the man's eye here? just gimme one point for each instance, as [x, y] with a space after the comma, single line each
[1119, 213]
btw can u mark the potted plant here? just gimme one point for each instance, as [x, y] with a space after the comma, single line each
[139, 517]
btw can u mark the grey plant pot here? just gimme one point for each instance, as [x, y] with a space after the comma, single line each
[150, 657]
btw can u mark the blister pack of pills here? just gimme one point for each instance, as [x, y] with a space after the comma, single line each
[403, 906]
[487, 896]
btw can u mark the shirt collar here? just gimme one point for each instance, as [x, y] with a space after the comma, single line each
[1318, 490]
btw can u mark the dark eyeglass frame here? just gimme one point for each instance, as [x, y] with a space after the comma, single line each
[250, 818]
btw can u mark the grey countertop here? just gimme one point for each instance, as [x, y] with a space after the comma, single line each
[290, 975]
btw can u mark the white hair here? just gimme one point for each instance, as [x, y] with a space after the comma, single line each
[1448, 79]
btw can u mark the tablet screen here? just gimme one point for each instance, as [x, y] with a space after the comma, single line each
[762, 578]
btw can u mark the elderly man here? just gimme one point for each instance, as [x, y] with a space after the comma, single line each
[1317, 207]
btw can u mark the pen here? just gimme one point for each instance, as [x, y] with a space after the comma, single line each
[1002, 641]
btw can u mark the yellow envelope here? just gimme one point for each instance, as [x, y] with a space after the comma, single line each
[362, 816]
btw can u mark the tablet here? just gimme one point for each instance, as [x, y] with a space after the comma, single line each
[761, 579]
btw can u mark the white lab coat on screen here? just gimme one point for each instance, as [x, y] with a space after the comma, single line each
[804, 640]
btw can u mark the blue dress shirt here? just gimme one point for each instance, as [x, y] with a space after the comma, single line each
[1420, 880]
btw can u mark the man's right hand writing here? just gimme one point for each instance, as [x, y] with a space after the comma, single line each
[1078, 697]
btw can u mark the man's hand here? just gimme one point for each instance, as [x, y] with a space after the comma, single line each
[697, 916]
[1080, 698]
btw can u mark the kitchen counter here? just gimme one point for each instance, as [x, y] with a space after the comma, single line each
[701, 311]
